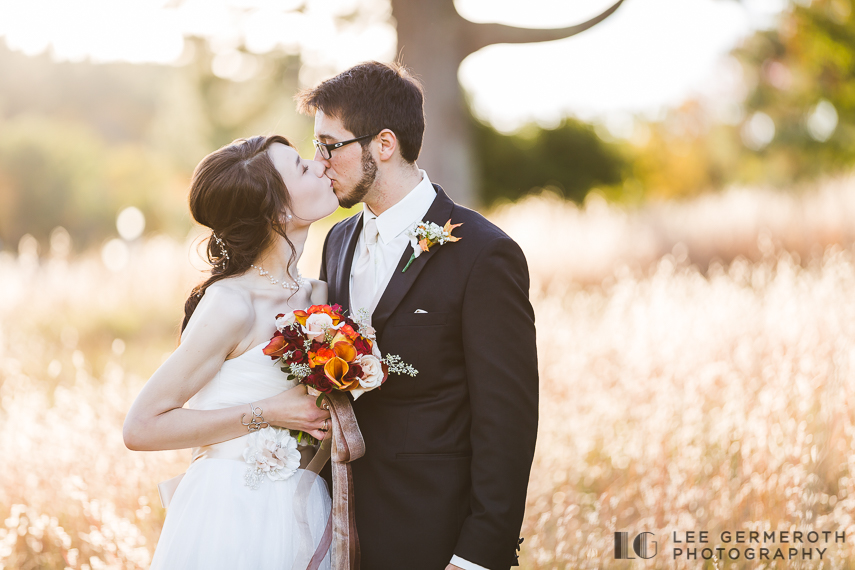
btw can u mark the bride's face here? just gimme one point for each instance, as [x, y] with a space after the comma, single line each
[311, 192]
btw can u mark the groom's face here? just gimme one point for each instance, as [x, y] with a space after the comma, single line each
[351, 168]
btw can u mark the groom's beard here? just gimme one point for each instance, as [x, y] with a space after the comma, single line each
[369, 174]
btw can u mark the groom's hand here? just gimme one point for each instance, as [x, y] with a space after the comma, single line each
[453, 567]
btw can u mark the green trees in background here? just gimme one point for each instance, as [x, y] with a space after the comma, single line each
[803, 78]
[79, 141]
[570, 159]
[798, 117]
[208, 111]
[62, 173]
[73, 149]
[797, 123]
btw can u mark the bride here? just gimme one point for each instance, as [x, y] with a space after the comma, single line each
[237, 505]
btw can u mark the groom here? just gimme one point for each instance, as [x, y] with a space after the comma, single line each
[449, 451]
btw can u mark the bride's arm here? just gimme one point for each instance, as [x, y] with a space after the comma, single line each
[157, 420]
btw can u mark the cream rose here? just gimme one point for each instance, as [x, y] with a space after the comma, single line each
[372, 371]
[316, 324]
[368, 332]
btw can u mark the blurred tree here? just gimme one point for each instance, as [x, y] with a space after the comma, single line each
[80, 141]
[683, 155]
[116, 100]
[570, 158]
[257, 103]
[800, 111]
[72, 149]
[799, 114]
[62, 173]
[201, 111]
[433, 39]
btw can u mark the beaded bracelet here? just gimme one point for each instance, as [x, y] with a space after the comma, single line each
[257, 422]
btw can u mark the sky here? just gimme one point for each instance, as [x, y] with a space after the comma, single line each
[648, 56]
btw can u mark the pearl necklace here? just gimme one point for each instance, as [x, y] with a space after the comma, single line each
[285, 285]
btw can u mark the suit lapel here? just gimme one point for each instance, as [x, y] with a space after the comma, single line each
[401, 282]
[345, 262]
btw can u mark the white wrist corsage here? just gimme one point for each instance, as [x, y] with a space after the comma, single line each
[273, 452]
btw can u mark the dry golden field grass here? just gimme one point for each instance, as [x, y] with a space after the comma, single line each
[696, 367]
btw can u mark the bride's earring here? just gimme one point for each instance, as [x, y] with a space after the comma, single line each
[288, 217]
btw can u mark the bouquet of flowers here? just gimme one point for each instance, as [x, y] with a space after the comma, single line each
[326, 350]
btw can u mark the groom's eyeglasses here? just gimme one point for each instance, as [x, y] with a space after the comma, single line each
[326, 148]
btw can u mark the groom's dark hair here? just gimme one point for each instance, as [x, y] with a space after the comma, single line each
[370, 97]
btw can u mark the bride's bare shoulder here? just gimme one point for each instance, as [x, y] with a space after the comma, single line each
[320, 291]
[226, 304]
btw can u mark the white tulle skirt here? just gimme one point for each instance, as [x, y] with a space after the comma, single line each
[216, 522]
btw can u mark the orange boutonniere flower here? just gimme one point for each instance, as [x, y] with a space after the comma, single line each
[428, 234]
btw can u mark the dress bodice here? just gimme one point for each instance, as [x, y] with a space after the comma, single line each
[246, 379]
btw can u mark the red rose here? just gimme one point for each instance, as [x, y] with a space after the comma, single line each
[319, 381]
[354, 371]
[294, 336]
[362, 345]
[299, 357]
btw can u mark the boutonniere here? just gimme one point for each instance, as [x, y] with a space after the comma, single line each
[425, 235]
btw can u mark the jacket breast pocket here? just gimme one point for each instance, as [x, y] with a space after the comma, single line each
[420, 319]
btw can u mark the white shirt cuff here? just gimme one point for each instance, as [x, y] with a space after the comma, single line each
[465, 564]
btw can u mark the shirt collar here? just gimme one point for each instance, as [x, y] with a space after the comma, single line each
[409, 210]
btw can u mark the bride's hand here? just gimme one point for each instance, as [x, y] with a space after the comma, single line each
[295, 409]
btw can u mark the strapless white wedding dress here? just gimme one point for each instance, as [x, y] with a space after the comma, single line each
[216, 519]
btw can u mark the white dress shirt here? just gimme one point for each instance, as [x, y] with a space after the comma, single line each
[465, 564]
[392, 226]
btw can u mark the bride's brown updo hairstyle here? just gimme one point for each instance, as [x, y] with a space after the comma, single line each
[238, 193]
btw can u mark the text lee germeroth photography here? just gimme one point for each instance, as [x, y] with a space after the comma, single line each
[810, 545]
[666, 187]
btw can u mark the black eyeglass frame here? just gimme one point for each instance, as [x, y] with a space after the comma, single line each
[329, 147]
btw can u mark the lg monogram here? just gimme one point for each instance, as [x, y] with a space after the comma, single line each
[639, 546]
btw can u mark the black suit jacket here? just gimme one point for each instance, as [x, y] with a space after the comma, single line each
[448, 452]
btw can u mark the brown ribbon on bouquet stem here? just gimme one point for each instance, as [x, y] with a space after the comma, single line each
[345, 446]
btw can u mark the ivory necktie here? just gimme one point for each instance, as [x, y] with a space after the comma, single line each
[364, 279]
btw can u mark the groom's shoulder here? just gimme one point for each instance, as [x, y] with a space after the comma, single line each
[483, 239]
[477, 229]
[340, 227]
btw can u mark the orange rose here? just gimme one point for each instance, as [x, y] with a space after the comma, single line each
[322, 356]
[348, 331]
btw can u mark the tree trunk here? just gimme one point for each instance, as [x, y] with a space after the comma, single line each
[429, 38]
[433, 39]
